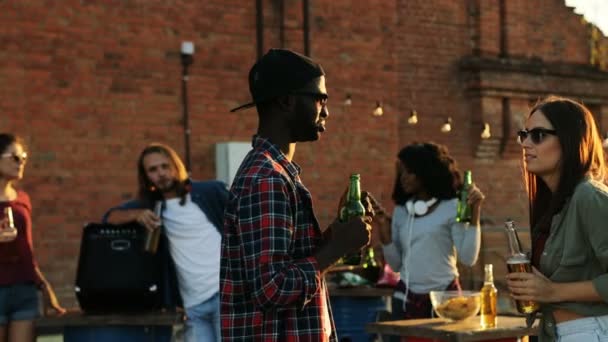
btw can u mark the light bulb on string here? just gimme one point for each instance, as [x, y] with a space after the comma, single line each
[378, 111]
[348, 101]
[485, 132]
[413, 119]
[447, 126]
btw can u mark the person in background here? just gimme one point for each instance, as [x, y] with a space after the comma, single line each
[192, 218]
[274, 253]
[565, 175]
[422, 240]
[20, 277]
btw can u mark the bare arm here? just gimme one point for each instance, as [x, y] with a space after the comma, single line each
[581, 291]
[591, 206]
[50, 299]
[475, 200]
[535, 286]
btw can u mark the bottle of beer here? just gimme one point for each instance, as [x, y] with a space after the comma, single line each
[463, 211]
[10, 234]
[517, 261]
[488, 299]
[352, 208]
[153, 237]
[369, 259]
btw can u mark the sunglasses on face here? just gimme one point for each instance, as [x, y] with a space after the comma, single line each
[17, 158]
[318, 97]
[537, 135]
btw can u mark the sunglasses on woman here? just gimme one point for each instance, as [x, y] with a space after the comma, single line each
[17, 158]
[537, 135]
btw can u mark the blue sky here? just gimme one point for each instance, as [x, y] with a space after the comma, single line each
[595, 11]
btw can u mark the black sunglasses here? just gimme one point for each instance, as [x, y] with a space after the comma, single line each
[537, 135]
[22, 158]
[318, 97]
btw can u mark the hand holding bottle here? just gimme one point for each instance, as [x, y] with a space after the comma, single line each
[474, 200]
[469, 202]
[382, 220]
[153, 236]
[351, 236]
[344, 237]
[8, 232]
[367, 200]
[531, 287]
[353, 206]
[521, 280]
[148, 219]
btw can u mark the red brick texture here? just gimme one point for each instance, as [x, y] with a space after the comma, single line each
[89, 83]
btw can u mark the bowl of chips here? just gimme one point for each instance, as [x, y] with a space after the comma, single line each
[455, 305]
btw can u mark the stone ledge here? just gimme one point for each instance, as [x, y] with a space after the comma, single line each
[535, 66]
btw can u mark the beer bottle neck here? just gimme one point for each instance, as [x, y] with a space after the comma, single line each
[468, 179]
[489, 275]
[514, 245]
[354, 190]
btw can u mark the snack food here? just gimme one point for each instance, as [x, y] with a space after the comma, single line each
[458, 308]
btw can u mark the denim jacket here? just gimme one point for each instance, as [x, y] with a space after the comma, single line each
[211, 197]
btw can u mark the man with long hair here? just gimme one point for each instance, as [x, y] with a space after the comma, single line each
[192, 221]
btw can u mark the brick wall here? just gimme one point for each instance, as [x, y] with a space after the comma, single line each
[89, 83]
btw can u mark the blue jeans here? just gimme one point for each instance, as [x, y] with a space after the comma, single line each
[18, 303]
[203, 321]
[590, 329]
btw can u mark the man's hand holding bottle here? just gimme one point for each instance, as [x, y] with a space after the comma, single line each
[147, 219]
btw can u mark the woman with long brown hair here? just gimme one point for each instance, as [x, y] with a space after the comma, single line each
[565, 175]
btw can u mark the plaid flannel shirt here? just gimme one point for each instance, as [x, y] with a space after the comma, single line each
[270, 283]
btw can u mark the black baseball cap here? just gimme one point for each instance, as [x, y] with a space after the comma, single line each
[281, 72]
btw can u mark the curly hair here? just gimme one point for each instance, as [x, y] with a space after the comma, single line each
[436, 170]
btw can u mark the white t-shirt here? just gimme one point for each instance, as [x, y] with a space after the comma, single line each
[194, 244]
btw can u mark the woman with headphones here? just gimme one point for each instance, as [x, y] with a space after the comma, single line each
[422, 239]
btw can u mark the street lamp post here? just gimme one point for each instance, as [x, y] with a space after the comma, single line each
[186, 53]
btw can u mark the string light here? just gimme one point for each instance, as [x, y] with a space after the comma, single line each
[348, 100]
[413, 119]
[447, 126]
[378, 111]
[485, 132]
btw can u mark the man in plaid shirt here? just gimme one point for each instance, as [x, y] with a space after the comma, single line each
[273, 251]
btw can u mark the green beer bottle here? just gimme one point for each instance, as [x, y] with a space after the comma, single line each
[352, 208]
[369, 259]
[463, 211]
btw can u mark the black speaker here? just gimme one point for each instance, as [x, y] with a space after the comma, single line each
[114, 273]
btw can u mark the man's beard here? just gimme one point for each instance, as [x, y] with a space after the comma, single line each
[307, 131]
[168, 186]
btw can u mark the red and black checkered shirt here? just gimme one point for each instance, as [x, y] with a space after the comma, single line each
[270, 283]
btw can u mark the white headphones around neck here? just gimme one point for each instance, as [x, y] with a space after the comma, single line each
[419, 208]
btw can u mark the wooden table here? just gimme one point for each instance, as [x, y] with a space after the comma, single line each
[360, 291]
[448, 331]
[78, 326]
[78, 318]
